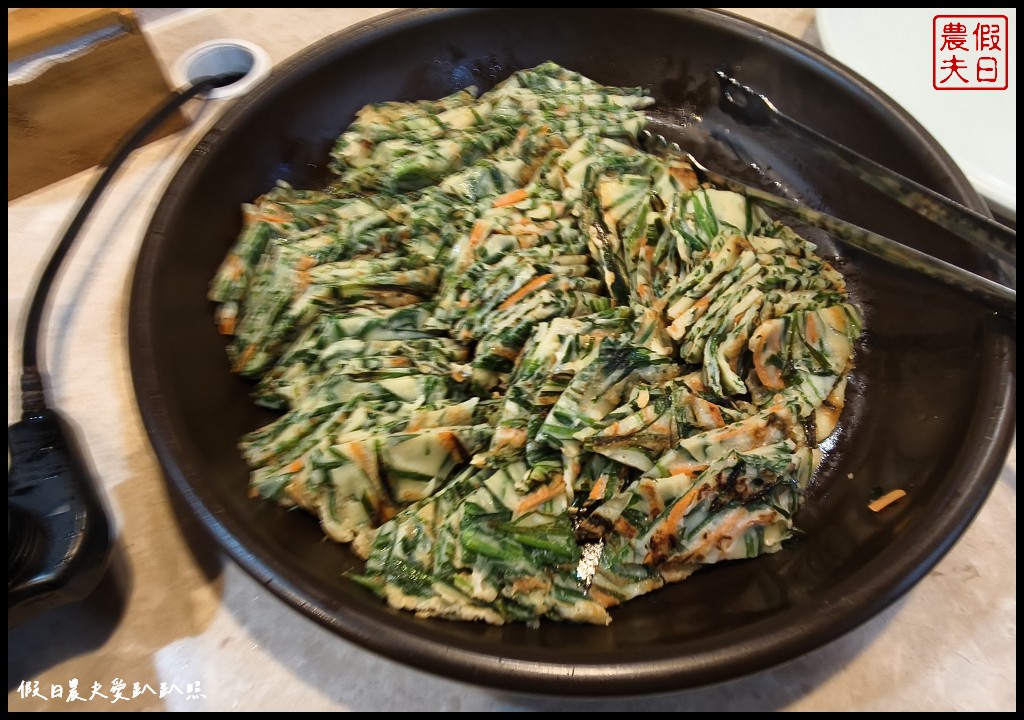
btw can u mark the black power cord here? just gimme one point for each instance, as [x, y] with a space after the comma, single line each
[32, 389]
[58, 533]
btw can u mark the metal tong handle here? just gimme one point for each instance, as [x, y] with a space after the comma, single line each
[752, 108]
[997, 296]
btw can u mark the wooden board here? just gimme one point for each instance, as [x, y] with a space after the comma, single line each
[72, 116]
[33, 30]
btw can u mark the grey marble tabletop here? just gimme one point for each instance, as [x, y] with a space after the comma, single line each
[196, 633]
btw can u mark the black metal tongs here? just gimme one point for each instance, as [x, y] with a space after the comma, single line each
[995, 240]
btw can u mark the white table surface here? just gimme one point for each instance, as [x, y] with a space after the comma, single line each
[949, 644]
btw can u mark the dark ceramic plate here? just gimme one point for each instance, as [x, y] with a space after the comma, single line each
[931, 400]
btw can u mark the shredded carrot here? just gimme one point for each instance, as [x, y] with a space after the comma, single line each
[295, 466]
[539, 497]
[622, 527]
[812, 329]
[273, 217]
[510, 198]
[597, 492]
[480, 230]
[235, 266]
[731, 431]
[355, 449]
[646, 488]
[227, 325]
[687, 468]
[450, 442]
[886, 500]
[770, 377]
[509, 437]
[686, 501]
[526, 585]
[672, 521]
[305, 263]
[602, 598]
[660, 428]
[715, 414]
[525, 290]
